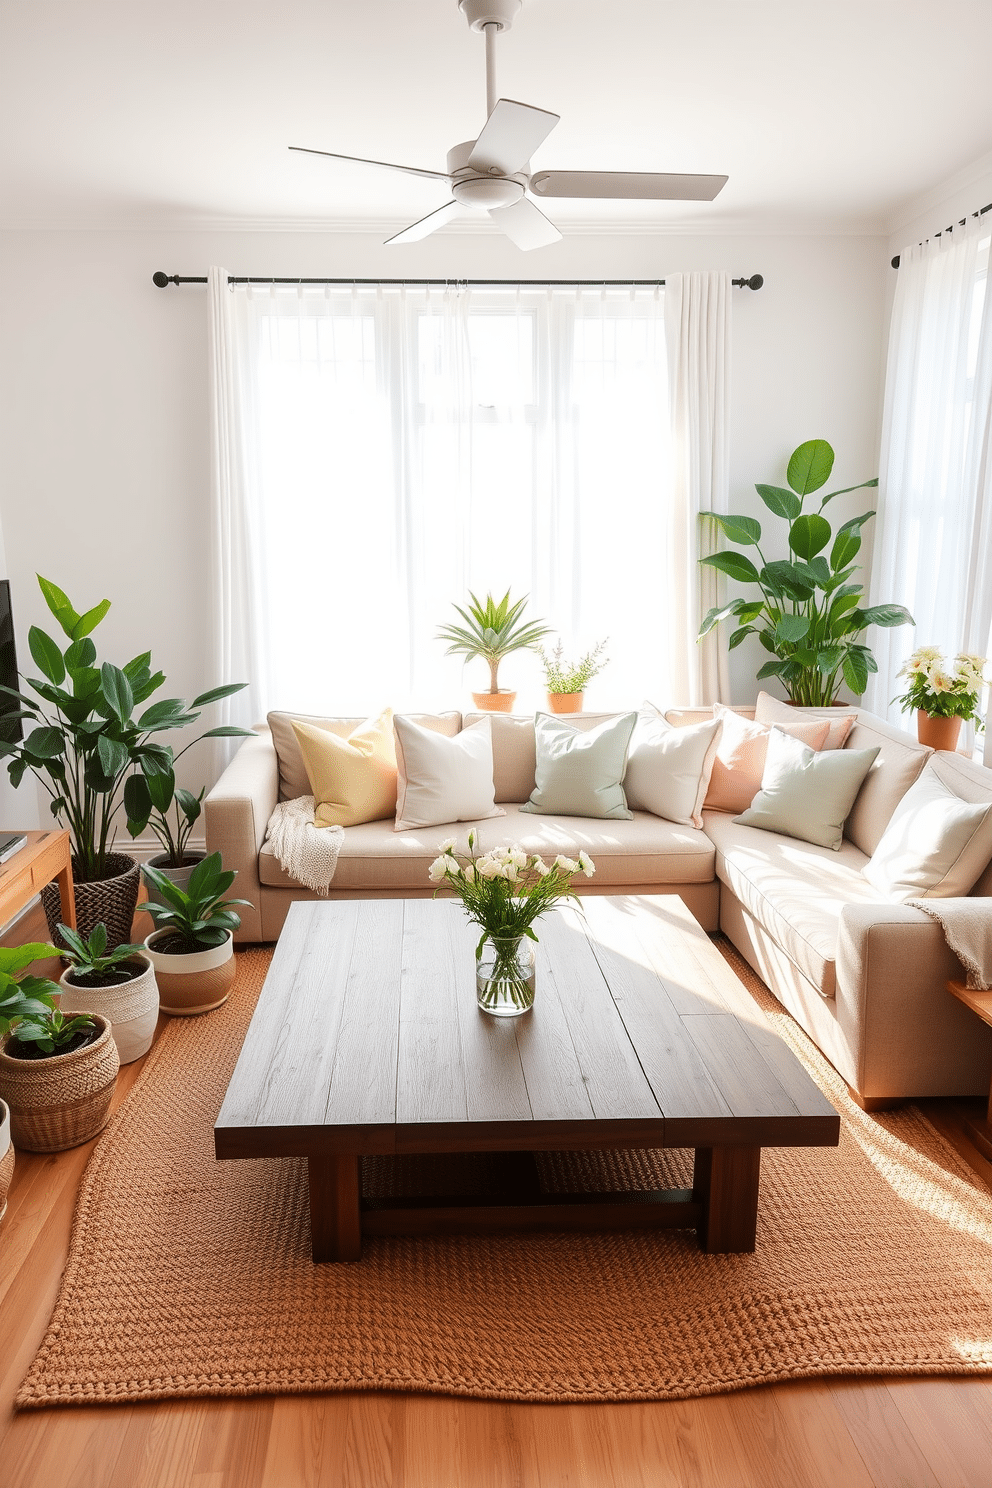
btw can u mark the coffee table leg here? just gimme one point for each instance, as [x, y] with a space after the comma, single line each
[725, 1182]
[335, 1218]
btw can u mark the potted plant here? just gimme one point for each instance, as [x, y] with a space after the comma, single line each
[85, 743]
[57, 1073]
[492, 629]
[566, 681]
[809, 615]
[18, 994]
[191, 947]
[119, 983]
[943, 696]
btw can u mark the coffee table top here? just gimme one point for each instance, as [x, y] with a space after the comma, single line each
[367, 1038]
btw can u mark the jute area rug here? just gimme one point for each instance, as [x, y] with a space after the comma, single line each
[190, 1277]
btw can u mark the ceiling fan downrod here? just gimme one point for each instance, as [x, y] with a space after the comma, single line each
[490, 17]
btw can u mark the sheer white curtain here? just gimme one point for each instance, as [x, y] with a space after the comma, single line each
[698, 320]
[380, 451]
[933, 541]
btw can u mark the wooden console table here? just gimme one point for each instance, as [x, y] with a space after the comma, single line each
[980, 1132]
[44, 857]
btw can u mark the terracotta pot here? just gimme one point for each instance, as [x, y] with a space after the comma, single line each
[61, 1101]
[131, 1007]
[111, 900]
[565, 702]
[195, 983]
[939, 733]
[494, 702]
[6, 1156]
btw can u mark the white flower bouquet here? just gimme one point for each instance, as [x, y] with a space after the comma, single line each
[504, 891]
[942, 689]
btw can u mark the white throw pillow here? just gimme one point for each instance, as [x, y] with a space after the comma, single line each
[443, 780]
[668, 769]
[806, 793]
[935, 845]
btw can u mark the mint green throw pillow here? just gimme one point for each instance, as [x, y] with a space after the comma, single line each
[579, 771]
[807, 793]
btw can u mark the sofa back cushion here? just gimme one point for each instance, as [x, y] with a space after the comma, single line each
[772, 710]
[293, 779]
[936, 844]
[515, 750]
[971, 782]
[898, 764]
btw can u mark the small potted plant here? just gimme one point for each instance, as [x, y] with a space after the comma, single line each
[17, 995]
[943, 696]
[492, 629]
[119, 983]
[57, 1073]
[566, 681]
[191, 947]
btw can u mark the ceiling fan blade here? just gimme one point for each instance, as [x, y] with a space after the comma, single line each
[628, 185]
[511, 134]
[411, 170]
[427, 225]
[525, 224]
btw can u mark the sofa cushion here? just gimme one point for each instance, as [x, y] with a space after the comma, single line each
[807, 793]
[644, 850]
[293, 780]
[668, 769]
[443, 780]
[935, 845]
[515, 749]
[580, 771]
[772, 710]
[897, 764]
[352, 780]
[740, 757]
[794, 890]
[970, 782]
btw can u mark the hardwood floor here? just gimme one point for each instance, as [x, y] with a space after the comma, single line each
[860, 1433]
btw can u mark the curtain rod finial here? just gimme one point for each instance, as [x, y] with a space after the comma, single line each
[162, 279]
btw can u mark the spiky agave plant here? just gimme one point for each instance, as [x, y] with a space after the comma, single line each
[492, 630]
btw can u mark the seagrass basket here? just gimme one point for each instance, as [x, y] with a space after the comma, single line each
[111, 900]
[61, 1101]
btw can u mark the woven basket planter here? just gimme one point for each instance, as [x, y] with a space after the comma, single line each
[61, 1101]
[196, 983]
[6, 1156]
[132, 1008]
[111, 900]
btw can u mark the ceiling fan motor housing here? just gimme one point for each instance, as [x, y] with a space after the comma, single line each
[480, 13]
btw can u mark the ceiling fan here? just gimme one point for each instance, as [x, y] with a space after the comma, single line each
[492, 173]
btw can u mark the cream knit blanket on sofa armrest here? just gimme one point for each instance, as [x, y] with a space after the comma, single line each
[308, 853]
[967, 927]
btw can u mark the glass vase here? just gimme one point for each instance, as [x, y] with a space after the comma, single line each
[504, 976]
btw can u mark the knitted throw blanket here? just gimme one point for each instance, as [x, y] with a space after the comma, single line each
[967, 927]
[308, 853]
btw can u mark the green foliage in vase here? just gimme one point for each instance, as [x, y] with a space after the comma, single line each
[492, 629]
[561, 676]
[24, 996]
[199, 914]
[51, 1031]
[809, 616]
[91, 961]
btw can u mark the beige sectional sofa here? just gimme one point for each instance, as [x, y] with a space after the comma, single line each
[863, 975]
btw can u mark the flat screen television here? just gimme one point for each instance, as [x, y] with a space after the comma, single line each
[10, 725]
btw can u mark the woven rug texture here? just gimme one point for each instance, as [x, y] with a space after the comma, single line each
[192, 1277]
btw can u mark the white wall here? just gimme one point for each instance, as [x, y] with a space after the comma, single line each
[103, 394]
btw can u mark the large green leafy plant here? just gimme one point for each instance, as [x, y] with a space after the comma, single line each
[198, 916]
[89, 735]
[809, 615]
[492, 629]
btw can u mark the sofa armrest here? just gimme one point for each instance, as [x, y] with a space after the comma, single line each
[893, 1005]
[237, 812]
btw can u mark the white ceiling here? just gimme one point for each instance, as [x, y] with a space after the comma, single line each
[824, 113]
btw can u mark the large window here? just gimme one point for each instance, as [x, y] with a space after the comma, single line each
[414, 443]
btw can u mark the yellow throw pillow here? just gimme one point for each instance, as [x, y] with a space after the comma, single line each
[353, 780]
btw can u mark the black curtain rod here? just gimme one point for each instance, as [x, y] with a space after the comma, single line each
[160, 279]
[980, 213]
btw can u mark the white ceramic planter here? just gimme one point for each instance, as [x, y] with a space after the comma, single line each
[179, 876]
[6, 1156]
[196, 983]
[132, 1008]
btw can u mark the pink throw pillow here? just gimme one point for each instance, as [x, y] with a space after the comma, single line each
[771, 710]
[740, 757]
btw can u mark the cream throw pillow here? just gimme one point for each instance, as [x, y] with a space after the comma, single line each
[805, 793]
[740, 757]
[353, 780]
[772, 710]
[668, 769]
[935, 846]
[443, 780]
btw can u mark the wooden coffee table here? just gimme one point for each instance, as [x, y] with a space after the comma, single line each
[367, 1039]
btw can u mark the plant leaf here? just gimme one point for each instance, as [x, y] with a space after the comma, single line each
[810, 466]
[58, 603]
[734, 564]
[847, 489]
[808, 535]
[855, 672]
[791, 628]
[117, 692]
[886, 614]
[47, 655]
[739, 636]
[743, 530]
[90, 621]
[782, 502]
[216, 693]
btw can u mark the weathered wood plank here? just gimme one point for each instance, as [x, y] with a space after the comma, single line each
[431, 1078]
[362, 1090]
